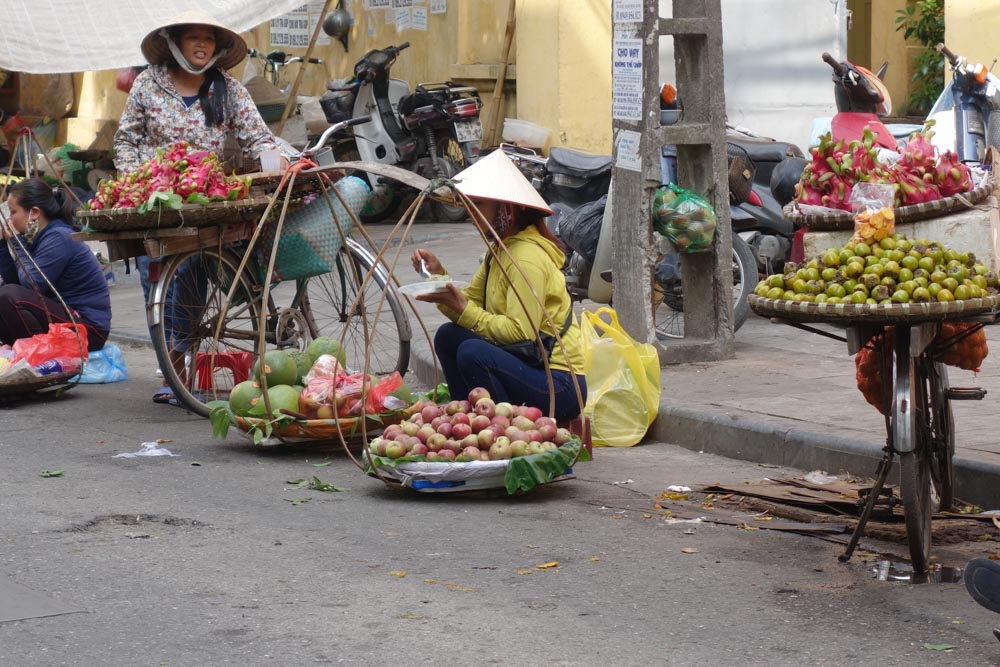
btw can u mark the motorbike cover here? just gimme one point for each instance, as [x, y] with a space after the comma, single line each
[851, 125]
[577, 163]
[581, 228]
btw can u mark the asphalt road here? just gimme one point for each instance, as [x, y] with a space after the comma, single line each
[202, 559]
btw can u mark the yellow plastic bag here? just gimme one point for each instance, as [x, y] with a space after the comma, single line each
[623, 381]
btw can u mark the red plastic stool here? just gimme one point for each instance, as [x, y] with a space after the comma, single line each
[580, 427]
[238, 362]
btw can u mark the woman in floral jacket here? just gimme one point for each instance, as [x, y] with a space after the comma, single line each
[186, 95]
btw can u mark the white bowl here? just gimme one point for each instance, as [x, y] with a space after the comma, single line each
[669, 116]
[524, 133]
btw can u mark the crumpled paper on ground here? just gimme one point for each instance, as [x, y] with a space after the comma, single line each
[148, 449]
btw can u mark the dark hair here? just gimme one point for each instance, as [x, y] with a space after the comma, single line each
[532, 216]
[54, 203]
[214, 105]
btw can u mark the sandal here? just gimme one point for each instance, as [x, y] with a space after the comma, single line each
[982, 579]
[163, 395]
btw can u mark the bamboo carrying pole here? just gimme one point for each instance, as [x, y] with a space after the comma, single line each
[293, 93]
[494, 120]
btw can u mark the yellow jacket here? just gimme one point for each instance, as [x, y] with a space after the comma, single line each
[507, 318]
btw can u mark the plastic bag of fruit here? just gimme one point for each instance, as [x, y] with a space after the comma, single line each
[686, 219]
[874, 218]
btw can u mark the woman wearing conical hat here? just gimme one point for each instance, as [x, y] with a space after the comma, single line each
[187, 95]
[499, 307]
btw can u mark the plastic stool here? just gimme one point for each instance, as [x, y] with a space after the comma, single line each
[238, 362]
[580, 427]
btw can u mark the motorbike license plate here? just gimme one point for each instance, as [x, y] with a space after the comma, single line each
[469, 130]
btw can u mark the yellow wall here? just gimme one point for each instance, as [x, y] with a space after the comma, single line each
[887, 45]
[971, 27]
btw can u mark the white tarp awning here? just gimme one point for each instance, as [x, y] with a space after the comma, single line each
[59, 36]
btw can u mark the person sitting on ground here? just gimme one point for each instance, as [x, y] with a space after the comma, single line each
[499, 306]
[37, 233]
[187, 95]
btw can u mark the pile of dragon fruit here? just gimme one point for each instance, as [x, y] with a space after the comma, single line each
[919, 175]
[196, 177]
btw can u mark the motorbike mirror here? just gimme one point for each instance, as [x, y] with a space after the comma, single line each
[880, 73]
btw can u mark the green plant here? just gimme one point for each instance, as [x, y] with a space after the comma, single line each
[923, 20]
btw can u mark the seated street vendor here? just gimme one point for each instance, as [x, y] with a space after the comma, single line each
[187, 95]
[38, 251]
[500, 307]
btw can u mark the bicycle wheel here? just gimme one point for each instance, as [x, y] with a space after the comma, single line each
[668, 293]
[378, 325]
[909, 417]
[185, 305]
[940, 435]
[450, 160]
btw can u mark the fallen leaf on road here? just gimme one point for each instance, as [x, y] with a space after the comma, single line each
[397, 573]
[530, 546]
[594, 559]
[546, 566]
[297, 501]
[451, 586]
[657, 506]
[746, 526]
[160, 441]
[768, 465]
[763, 518]
[940, 647]
[647, 516]
[52, 473]
[959, 622]
[316, 484]
[616, 516]
[322, 465]
[430, 581]
[412, 617]
[524, 570]
[690, 550]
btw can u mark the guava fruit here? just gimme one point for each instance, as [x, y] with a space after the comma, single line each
[326, 345]
[243, 396]
[279, 367]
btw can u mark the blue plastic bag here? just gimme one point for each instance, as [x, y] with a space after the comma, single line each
[104, 366]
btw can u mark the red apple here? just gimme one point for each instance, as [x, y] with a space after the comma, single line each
[479, 422]
[459, 431]
[436, 442]
[501, 420]
[395, 449]
[465, 406]
[454, 445]
[453, 407]
[548, 446]
[378, 446]
[531, 412]
[546, 431]
[440, 419]
[504, 409]
[392, 431]
[535, 448]
[447, 454]
[431, 456]
[563, 436]
[485, 456]
[471, 440]
[496, 428]
[499, 451]
[419, 449]
[460, 418]
[425, 432]
[519, 448]
[543, 420]
[409, 428]
[523, 423]
[430, 412]
[533, 436]
[514, 433]
[478, 393]
[485, 406]
[445, 429]
[486, 438]
[472, 452]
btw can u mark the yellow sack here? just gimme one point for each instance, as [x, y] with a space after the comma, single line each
[623, 381]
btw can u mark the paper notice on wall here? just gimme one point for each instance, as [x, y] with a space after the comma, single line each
[390, 16]
[626, 77]
[379, 4]
[627, 155]
[439, 6]
[398, 4]
[279, 31]
[420, 18]
[404, 19]
[291, 30]
[371, 27]
[627, 11]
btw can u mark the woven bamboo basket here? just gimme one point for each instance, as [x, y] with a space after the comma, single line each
[897, 313]
[47, 384]
[330, 429]
[188, 215]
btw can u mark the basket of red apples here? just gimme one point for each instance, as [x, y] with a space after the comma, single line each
[471, 444]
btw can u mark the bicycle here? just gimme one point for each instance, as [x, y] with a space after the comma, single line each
[190, 301]
[916, 399]
[274, 61]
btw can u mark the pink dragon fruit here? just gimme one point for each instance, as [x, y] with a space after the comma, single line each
[918, 154]
[951, 176]
[913, 189]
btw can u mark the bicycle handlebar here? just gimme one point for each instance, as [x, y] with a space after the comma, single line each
[333, 129]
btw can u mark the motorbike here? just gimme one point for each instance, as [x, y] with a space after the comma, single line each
[434, 131]
[965, 114]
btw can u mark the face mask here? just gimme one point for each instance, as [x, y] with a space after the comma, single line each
[31, 229]
[503, 220]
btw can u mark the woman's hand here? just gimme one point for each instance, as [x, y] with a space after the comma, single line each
[451, 297]
[431, 262]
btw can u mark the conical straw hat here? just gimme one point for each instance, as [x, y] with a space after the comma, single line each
[495, 177]
[155, 48]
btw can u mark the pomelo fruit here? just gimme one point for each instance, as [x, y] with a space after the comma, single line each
[301, 362]
[281, 396]
[279, 367]
[243, 397]
[326, 345]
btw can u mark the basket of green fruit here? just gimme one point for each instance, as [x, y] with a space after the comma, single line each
[895, 280]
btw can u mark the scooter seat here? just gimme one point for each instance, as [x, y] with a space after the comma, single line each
[577, 163]
[850, 125]
[764, 150]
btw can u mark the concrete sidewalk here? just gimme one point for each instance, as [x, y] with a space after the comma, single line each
[788, 397]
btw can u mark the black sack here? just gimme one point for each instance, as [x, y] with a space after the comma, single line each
[581, 228]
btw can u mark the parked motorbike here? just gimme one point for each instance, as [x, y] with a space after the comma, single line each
[434, 131]
[861, 99]
[965, 114]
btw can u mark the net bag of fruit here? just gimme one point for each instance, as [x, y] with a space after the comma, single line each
[312, 234]
[874, 218]
[685, 218]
